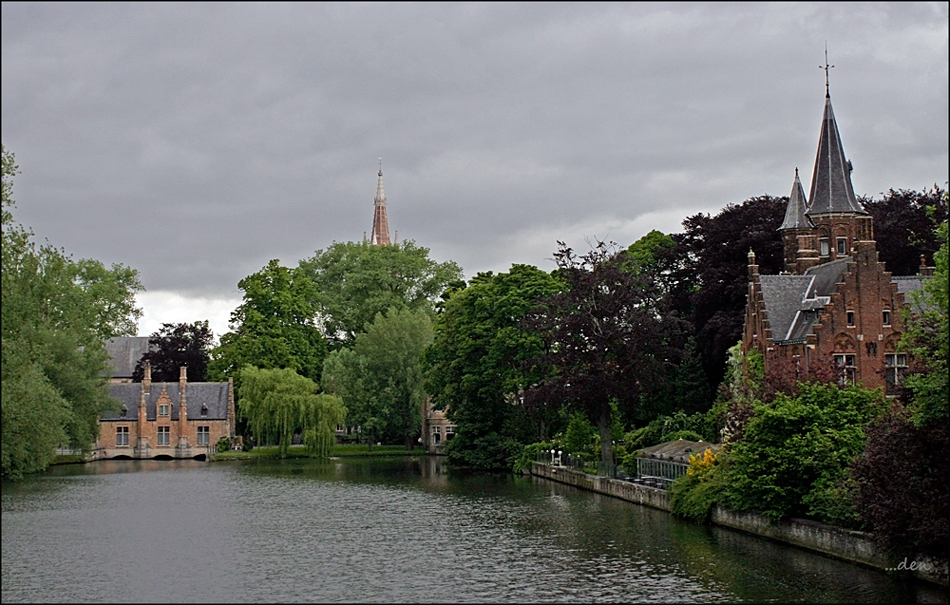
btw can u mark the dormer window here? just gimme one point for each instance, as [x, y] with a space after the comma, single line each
[204, 410]
[124, 411]
[163, 409]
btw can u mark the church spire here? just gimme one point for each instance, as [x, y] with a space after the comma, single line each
[380, 235]
[831, 189]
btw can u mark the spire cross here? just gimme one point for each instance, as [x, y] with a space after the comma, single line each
[826, 67]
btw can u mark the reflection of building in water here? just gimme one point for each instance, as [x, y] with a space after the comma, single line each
[437, 429]
[434, 469]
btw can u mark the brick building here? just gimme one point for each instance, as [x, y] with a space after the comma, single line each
[437, 429]
[835, 299]
[167, 419]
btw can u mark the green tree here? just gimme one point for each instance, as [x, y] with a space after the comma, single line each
[279, 402]
[927, 338]
[56, 315]
[274, 327]
[476, 365]
[580, 436]
[356, 281]
[380, 379]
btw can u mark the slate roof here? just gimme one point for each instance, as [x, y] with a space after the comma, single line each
[794, 303]
[908, 283]
[213, 395]
[827, 275]
[125, 352]
[831, 189]
[795, 217]
[784, 296]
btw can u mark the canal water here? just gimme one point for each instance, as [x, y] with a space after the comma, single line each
[396, 530]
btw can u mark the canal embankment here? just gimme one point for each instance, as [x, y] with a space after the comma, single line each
[854, 546]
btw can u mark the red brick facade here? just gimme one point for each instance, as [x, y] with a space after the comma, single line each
[835, 301]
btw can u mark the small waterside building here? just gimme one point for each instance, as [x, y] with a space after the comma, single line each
[660, 465]
[166, 419]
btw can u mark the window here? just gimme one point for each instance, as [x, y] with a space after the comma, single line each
[122, 436]
[846, 367]
[124, 411]
[204, 410]
[164, 435]
[163, 409]
[886, 317]
[842, 244]
[449, 432]
[204, 435]
[895, 368]
[850, 319]
[437, 434]
[823, 246]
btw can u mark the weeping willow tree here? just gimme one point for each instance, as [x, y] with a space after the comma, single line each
[277, 403]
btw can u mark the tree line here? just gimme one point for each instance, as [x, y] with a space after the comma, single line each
[616, 343]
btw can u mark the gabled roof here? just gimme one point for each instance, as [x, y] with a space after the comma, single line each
[212, 395]
[125, 352]
[795, 217]
[831, 189]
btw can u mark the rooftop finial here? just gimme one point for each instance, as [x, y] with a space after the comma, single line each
[826, 67]
[380, 166]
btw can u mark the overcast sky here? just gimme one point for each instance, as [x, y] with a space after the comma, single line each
[195, 142]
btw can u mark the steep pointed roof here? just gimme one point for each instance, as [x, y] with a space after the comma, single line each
[795, 217]
[380, 236]
[831, 189]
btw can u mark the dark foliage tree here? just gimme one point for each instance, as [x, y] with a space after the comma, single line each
[604, 340]
[904, 227]
[476, 365]
[903, 482]
[716, 251]
[174, 346]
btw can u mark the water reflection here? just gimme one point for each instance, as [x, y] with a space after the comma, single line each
[382, 530]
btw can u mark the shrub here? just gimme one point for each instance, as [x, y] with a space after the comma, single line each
[695, 494]
[794, 455]
[223, 444]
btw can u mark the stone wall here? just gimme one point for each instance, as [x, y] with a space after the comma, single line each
[852, 546]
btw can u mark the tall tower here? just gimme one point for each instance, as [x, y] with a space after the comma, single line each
[831, 223]
[380, 235]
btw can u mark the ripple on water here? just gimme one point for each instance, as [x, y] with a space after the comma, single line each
[378, 531]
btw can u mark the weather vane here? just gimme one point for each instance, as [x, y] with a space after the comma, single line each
[826, 67]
